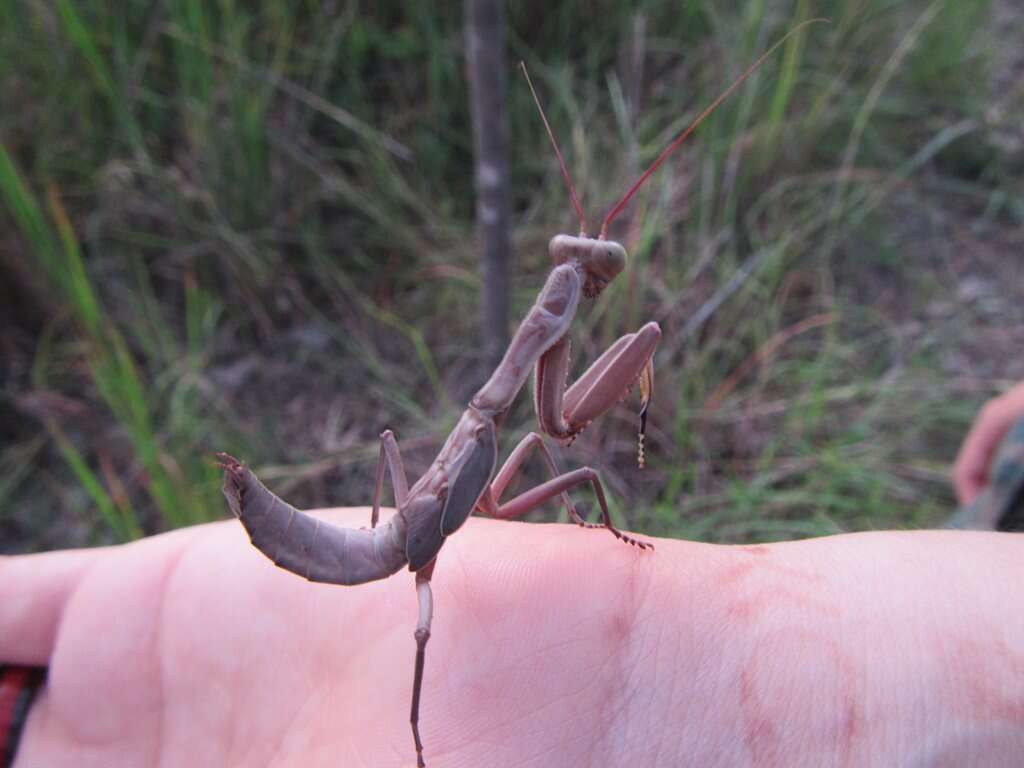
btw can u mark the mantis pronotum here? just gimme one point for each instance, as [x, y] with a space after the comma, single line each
[463, 477]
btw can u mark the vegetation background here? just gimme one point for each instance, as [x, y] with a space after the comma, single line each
[248, 226]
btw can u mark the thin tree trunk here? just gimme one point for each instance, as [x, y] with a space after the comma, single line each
[485, 63]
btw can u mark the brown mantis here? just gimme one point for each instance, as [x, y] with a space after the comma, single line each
[463, 477]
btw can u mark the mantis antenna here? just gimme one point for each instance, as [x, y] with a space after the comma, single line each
[693, 126]
[561, 162]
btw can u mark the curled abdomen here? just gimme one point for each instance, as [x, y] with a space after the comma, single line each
[305, 545]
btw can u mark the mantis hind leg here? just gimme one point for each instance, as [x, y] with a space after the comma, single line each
[426, 604]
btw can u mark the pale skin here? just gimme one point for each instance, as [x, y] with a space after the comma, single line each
[973, 463]
[558, 647]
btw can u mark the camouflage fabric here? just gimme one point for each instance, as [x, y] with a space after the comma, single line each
[1000, 507]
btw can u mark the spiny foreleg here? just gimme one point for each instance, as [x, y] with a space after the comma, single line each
[564, 413]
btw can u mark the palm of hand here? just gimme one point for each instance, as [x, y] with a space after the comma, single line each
[191, 648]
[551, 646]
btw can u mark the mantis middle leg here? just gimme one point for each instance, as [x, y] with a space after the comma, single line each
[559, 485]
[390, 453]
[489, 502]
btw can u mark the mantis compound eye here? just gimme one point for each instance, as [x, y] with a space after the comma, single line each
[608, 259]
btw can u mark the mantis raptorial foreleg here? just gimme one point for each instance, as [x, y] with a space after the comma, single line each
[389, 453]
[564, 413]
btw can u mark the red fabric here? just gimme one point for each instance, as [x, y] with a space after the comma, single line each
[14, 682]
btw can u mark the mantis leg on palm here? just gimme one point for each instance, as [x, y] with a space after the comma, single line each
[558, 486]
[489, 502]
[425, 598]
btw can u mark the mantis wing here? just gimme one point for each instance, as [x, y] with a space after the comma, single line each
[470, 479]
[424, 538]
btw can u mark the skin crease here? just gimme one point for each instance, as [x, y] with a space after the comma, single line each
[551, 646]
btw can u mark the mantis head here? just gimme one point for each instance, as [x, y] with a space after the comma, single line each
[598, 261]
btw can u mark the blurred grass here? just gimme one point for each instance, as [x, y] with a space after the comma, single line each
[247, 227]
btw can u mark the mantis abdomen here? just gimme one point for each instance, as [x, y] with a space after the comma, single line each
[302, 544]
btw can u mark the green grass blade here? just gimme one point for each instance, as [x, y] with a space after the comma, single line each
[122, 523]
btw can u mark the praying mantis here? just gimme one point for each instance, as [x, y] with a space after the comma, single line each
[465, 477]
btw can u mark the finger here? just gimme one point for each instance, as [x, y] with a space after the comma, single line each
[33, 592]
[970, 473]
[967, 489]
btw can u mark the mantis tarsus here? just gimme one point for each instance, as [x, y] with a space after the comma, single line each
[463, 478]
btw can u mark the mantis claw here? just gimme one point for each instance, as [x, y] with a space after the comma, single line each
[646, 382]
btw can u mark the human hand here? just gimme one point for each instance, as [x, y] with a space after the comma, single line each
[973, 463]
[551, 646]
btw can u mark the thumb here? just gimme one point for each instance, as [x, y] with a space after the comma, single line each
[970, 473]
